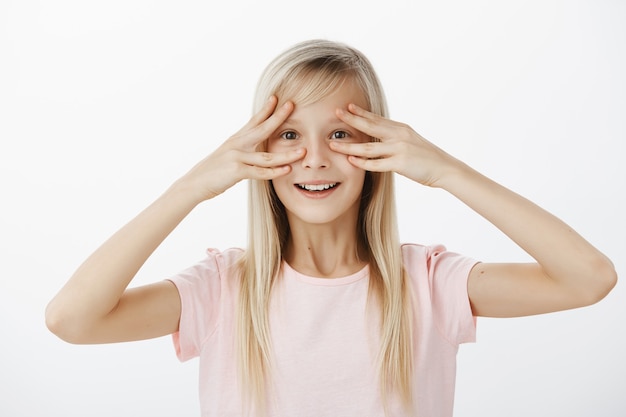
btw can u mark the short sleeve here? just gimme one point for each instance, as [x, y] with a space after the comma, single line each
[200, 289]
[448, 274]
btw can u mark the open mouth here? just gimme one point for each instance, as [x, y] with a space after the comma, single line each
[317, 187]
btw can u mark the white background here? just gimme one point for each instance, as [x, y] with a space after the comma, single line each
[104, 104]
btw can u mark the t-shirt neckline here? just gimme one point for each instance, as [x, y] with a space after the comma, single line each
[290, 273]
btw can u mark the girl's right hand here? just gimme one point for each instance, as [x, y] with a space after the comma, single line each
[238, 157]
[95, 305]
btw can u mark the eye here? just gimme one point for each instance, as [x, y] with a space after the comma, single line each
[289, 135]
[339, 134]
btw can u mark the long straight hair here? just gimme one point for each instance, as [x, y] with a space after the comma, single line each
[305, 73]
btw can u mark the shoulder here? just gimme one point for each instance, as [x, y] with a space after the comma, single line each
[226, 259]
[434, 260]
[438, 281]
[415, 249]
[216, 266]
[416, 255]
[221, 261]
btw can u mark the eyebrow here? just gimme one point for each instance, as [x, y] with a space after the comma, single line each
[334, 120]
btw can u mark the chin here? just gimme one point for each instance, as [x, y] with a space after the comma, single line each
[322, 217]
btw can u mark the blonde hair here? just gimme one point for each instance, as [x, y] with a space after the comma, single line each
[306, 73]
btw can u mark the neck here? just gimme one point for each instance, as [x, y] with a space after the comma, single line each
[325, 251]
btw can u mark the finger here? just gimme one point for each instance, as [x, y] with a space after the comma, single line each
[268, 160]
[249, 139]
[367, 150]
[366, 122]
[375, 165]
[263, 173]
[269, 126]
[261, 115]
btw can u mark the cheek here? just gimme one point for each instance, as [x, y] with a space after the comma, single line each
[278, 145]
[282, 186]
[342, 161]
[355, 175]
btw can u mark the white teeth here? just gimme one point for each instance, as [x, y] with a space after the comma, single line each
[317, 187]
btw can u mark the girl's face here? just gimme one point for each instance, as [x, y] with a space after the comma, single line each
[322, 187]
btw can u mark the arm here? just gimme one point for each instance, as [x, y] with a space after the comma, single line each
[95, 305]
[569, 272]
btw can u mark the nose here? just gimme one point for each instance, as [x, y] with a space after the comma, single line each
[317, 154]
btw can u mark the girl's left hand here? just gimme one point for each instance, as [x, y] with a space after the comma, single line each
[400, 149]
[569, 272]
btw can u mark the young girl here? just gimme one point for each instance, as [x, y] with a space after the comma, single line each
[325, 313]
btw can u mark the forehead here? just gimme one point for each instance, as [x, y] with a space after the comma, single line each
[340, 98]
[337, 95]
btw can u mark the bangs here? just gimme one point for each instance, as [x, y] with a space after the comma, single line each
[314, 82]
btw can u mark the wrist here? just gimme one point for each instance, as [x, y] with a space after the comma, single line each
[184, 193]
[453, 175]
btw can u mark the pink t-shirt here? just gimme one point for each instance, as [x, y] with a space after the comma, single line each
[323, 340]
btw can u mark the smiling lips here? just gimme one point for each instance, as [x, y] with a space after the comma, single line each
[317, 190]
[317, 187]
